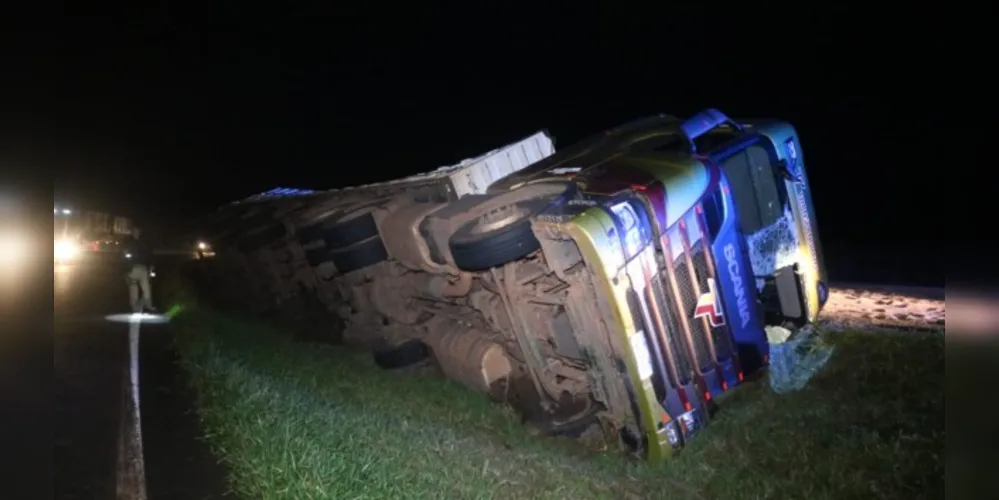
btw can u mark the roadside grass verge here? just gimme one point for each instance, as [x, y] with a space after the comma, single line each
[302, 421]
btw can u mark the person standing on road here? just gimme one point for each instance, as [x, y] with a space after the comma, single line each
[139, 264]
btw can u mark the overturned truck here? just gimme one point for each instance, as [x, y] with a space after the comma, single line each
[616, 286]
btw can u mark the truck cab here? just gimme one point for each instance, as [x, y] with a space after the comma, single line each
[699, 233]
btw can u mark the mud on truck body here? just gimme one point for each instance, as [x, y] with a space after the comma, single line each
[618, 285]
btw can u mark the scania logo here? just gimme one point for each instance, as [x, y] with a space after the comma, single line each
[741, 300]
[708, 306]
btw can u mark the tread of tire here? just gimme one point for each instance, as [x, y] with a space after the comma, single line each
[310, 233]
[506, 244]
[359, 255]
[514, 242]
[347, 233]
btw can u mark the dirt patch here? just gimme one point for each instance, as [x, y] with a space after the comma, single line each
[860, 305]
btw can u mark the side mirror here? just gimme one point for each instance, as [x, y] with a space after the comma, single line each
[785, 172]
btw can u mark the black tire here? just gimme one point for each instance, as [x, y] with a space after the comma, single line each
[408, 353]
[477, 251]
[352, 228]
[310, 233]
[342, 229]
[572, 427]
[359, 255]
[317, 256]
[257, 240]
[452, 209]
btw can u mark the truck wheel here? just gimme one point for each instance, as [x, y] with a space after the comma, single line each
[351, 228]
[572, 426]
[501, 235]
[359, 255]
[405, 354]
[342, 230]
[310, 233]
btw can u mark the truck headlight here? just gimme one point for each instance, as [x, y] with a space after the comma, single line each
[66, 250]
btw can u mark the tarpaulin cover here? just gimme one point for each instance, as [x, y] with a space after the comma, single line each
[797, 360]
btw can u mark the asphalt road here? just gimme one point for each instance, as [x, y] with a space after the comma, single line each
[90, 355]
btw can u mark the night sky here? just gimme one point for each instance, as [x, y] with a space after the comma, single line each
[165, 113]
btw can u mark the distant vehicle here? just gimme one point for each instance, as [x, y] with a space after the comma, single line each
[66, 251]
[624, 282]
[107, 244]
[203, 250]
[79, 233]
[67, 245]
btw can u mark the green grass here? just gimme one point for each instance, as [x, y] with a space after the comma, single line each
[299, 421]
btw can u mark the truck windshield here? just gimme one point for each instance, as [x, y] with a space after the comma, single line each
[754, 187]
[750, 172]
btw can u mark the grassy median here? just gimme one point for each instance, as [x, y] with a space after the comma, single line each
[301, 421]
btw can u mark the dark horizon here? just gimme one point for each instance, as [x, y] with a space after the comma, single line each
[179, 114]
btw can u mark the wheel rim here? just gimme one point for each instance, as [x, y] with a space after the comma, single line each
[500, 217]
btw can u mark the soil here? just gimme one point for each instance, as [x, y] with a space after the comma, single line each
[865, 305]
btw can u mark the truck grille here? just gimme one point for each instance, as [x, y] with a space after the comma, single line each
[684, 304]
[673, 333]
[702, 269]
[698, 270]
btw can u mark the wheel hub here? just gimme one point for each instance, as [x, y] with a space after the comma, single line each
[499, 217]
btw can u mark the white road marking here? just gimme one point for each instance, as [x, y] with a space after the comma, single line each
[133, 374]
[132, 463]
